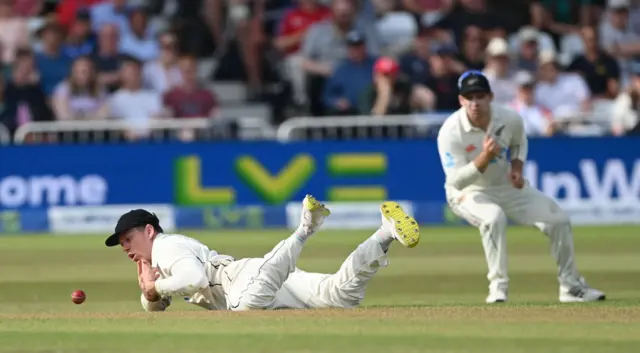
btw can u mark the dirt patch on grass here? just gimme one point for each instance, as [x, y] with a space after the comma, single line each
[569, 313]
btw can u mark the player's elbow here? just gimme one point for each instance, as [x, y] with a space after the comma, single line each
[196, 284]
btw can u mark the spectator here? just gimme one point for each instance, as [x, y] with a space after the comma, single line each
[67, 10]
[134, 104]
[81, 97]
[350, 79]
[14, 32]
[293, 27]
[472, 48]
[107, 59]
[474, 13]
[110, 12]
[137, 41]
[80, 40]
[527, 45]
[616, 37]
[324, 46]
[415, 64]
[24, 100]
[443, 79]
[427, 9]
[53, 66]
[28, 8]
[397, 29]
[537, 120]
[561, 93]
[498, 71]
[164, 73]
[626, 109]
[392, 93]
[600, 70]
[190, 99]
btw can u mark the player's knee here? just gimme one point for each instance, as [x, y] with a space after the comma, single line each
[496, 221]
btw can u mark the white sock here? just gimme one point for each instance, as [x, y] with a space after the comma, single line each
[384, 238]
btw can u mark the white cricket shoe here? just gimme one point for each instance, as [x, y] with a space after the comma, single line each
[496, 296]
[580, 294]
[403, 227]
[313, 215]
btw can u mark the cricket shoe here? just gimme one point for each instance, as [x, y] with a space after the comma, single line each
[581, 294]
[313, 215]
[497, 296]
[403, 227]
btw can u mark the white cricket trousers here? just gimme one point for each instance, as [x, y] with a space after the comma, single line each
[274, 281]
[489, 210]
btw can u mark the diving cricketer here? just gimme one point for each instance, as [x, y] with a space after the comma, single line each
[174, 265]
[483, 148]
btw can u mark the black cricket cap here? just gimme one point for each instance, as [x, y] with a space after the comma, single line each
[355, 38]
[132, 219]
[473, 82]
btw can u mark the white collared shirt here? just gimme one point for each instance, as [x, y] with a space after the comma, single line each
[459, 143]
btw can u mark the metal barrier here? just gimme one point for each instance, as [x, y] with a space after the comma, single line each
[158, 130]
[413, 126]
[5, 135]
[364, 126]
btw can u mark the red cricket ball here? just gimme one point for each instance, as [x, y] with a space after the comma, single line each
[78, 296]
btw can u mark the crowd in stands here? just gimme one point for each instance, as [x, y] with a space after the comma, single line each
[568, 66]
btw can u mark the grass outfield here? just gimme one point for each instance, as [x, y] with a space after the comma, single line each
[430, 299]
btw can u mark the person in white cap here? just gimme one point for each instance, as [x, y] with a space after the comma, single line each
[538, 121]
[483, 148]
[499, 71]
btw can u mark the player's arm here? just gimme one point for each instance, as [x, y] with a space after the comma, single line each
[459, 172]
[160, 305]
[519, 144]
[188, 277]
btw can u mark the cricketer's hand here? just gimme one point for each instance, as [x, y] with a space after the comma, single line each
[147, 277]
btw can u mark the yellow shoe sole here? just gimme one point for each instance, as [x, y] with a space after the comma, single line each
[406, 228]
[314, 205]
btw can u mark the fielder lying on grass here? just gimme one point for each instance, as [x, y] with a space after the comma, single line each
[171, 265]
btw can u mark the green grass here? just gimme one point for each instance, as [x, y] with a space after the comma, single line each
[430, 299]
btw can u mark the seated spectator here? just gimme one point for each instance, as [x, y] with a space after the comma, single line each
[24, 100]
[107, 58]
[443, 79]
[474, 13]
[352, 77]
[499, 71]
[397, 29]
[138, 41]
[14, 31]
[537, 120]
[554, 17]
[324, 46]
[415, 64]
[134, 104]
[67, 10]
[110, 12]
[52, 64]
[80, 97]
[80, 39]
[164, 73]
[190, 99]
[472, 48]
[392, 93]
[527, 47]
[626, 109]
[598, 68]
[428, 10]
[562, 93]
[293, 28]
[617, 38]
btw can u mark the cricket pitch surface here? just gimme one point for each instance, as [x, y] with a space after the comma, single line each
[429, 299]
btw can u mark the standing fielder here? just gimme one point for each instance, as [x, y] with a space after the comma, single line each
[485, 188]
[175, 265]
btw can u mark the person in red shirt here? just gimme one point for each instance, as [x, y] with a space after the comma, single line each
[67, 9]
[190, 99]
[293, 27]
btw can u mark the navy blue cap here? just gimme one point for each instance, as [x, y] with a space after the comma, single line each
[355, 38]
[445, 49]
[473, 81]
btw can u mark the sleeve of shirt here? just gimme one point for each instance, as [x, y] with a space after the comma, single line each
[308, 48]
[188, 277]
[459, 172]
[519, 142]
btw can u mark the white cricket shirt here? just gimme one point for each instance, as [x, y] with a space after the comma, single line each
[188, 269]
[459, 143]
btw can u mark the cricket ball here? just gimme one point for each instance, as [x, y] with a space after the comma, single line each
[78, 296]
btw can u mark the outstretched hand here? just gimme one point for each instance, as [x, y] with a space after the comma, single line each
[147, 277]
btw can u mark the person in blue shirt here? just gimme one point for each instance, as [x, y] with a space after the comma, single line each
[81, 41]
[52, 64]
[352, 77]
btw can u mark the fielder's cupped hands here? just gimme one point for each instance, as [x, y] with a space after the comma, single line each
[147, 277]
